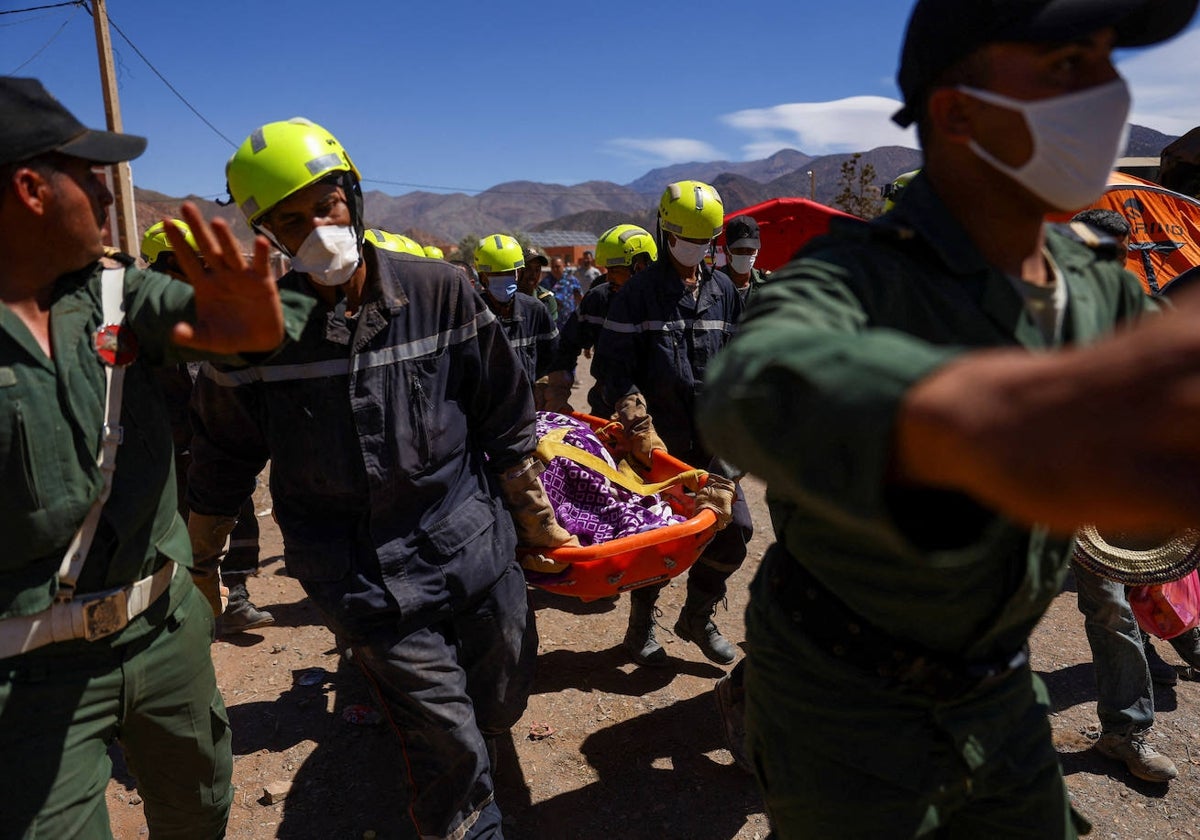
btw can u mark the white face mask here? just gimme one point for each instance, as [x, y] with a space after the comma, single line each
[742, 263]
[328, 255]
[689, 254]
[1076, 140]
[502, 286]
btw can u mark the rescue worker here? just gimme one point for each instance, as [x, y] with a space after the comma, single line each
[239, 614]
[892, 191]
[529, 280]
[623, 250]
[102, 636]
[742, 243]
[400, 430]
[883, 386]
[651, 358]
[526, 322]
[408, 245]
[393, 242]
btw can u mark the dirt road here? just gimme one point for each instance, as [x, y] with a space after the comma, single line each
[605, 749]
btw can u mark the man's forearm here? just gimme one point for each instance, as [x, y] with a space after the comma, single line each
[1108, 434]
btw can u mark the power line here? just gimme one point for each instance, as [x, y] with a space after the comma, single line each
[626, 192]
[163, 78]
[39, 8]
[53, 37]
[219, 133]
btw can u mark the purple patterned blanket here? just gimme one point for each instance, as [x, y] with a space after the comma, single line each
[589, 505]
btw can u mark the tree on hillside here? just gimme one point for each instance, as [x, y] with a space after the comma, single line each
[858, 194]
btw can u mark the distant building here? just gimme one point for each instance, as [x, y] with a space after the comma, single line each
[1141, 167]
[568, 244]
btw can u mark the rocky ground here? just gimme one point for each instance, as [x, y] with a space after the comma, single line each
[605, 749]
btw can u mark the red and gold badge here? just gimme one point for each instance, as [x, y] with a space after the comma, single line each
[116, 345]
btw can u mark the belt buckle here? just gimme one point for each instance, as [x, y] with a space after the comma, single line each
[932, 678]
[105, 616]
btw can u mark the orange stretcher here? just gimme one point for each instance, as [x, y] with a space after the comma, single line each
[610, 568]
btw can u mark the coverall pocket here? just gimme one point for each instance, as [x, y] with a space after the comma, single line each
[435, 427]
[452, 532]
[21, 477]
[317, 562]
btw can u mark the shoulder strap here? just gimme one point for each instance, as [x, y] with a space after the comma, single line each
[112, 293]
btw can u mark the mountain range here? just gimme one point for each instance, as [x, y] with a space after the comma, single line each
[594, 206]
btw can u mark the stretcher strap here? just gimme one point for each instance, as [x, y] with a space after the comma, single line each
[552, 446]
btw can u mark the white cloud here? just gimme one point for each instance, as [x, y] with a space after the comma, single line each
[1163, 79]
[664, 150]
[817, 128]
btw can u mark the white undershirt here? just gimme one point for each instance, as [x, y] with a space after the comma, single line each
[1046, 305]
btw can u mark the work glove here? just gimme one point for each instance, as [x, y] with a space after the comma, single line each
[717, 495]
[640, 437]
[210, 541]
[555, 394]
[532, 513]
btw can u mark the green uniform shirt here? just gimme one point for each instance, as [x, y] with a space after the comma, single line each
[751, 289]
[548, 300]
[806, 397]
[51, 413]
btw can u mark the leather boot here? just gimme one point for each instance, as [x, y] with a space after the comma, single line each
[1138, 754]
[640, 640]
[241, 614]
[695, 624]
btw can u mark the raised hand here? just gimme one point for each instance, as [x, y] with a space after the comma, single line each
[237, 302]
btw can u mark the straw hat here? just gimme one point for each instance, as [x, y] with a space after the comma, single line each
[1133, 561]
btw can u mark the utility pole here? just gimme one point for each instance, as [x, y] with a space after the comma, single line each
[125, 232]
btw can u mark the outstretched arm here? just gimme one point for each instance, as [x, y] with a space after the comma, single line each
[237, 302]
[1108, 434]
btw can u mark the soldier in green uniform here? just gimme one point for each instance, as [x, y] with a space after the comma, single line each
[742, 243]
[884, 387]
[103, 636]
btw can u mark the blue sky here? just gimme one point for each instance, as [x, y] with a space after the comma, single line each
[468, 95]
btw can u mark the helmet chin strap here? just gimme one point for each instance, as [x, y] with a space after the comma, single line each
[262, 231]
[354, 199]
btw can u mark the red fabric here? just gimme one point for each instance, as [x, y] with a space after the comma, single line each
[1167, 610]
[785, 224]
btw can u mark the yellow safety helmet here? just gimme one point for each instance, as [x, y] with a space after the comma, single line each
[382, 239]
[497, 254]
[434, 252]
[619, 245]
[281, 158]
[409, 245]
[155, 242]
[392, 242]
[892, 191]
[691, 209]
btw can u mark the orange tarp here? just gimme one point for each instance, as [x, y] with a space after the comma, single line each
[1165, 237]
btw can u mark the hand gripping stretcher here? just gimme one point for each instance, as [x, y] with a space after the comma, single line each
[625, 563]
